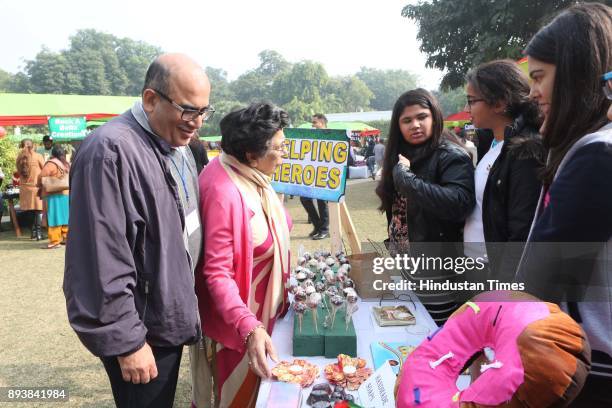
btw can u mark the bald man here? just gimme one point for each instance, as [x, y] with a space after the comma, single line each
[135, 235]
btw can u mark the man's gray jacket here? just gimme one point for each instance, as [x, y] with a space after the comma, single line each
[128, 276]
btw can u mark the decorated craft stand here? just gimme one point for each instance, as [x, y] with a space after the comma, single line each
[316, 167]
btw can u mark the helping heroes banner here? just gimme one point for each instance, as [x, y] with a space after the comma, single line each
[315, 164]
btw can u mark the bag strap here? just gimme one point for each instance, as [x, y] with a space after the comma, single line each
[60, 166]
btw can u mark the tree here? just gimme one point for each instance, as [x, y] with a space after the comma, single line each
[5, 80]
[96, 63]
[271, 64]
[458, 37]
[386, 85]
[257, 84]
[222, 108]
[94, 54]
[305, 81]
[20, 83]
[47, 72]
[134, 58]
[350, 93]
[250, 87]
[300, 111]
[8, 155]
[220, 89]
[452, 101]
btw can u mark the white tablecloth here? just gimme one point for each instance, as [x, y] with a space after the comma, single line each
[367, 332]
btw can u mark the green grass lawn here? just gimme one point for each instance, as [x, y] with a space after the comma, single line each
[39, 349]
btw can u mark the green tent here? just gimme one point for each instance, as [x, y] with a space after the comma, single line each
[342, 125]
[35, 109]
[210, 138]
[356, 128]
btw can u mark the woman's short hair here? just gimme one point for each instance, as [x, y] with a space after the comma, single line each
[504, 81]
[250, 129]
[578, 42]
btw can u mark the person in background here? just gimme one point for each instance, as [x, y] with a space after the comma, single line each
[379, 156]
[240, 283]
[567, 258]
[199, 153]
[319, 219]
[426, 191]
[506, 177]
[45, 149]
[370, 158]
[29, 164]
[352, 153]
[57, 203]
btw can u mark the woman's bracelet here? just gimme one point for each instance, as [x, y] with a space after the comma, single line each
[259, 326]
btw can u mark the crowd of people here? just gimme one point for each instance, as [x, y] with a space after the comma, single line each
[537, 206]
[167, 249]
[42, 176]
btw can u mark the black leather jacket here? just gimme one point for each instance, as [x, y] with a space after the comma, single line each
[510, 197]
[440, 192]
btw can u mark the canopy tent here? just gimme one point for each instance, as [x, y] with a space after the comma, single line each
[35, 109]
[457, 119]
[524, 66]
[357, 128]
[210, 138]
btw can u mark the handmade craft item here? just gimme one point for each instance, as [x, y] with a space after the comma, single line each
[297, 371]
[539, 357]
[348, 372]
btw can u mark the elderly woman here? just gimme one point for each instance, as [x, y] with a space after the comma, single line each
[240, 283]
[29, 164]
[57, 202]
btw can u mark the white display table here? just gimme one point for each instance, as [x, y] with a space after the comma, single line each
[367, 332]
[358, 172]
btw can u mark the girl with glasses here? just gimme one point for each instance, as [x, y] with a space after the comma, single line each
[506, 177]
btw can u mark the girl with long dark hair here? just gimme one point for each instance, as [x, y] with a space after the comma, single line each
[29, 164]
[506, 177]
[426, 190]
[568, 256]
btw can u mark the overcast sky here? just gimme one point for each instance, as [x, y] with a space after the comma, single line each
[342, 34]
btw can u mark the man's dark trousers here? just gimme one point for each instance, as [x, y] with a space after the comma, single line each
[158, 393]
[319, 219]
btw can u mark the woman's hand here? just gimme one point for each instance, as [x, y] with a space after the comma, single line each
[259, 344]
[404, 161]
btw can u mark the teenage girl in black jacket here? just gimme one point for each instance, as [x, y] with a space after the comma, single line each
[506, 178]
[427, 191]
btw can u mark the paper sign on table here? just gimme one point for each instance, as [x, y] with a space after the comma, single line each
[377, 391]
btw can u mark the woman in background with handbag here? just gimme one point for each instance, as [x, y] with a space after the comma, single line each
[53, 184]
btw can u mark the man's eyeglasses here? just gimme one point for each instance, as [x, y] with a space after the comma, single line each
[607, 84]
[470, 102]
[188, 114]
